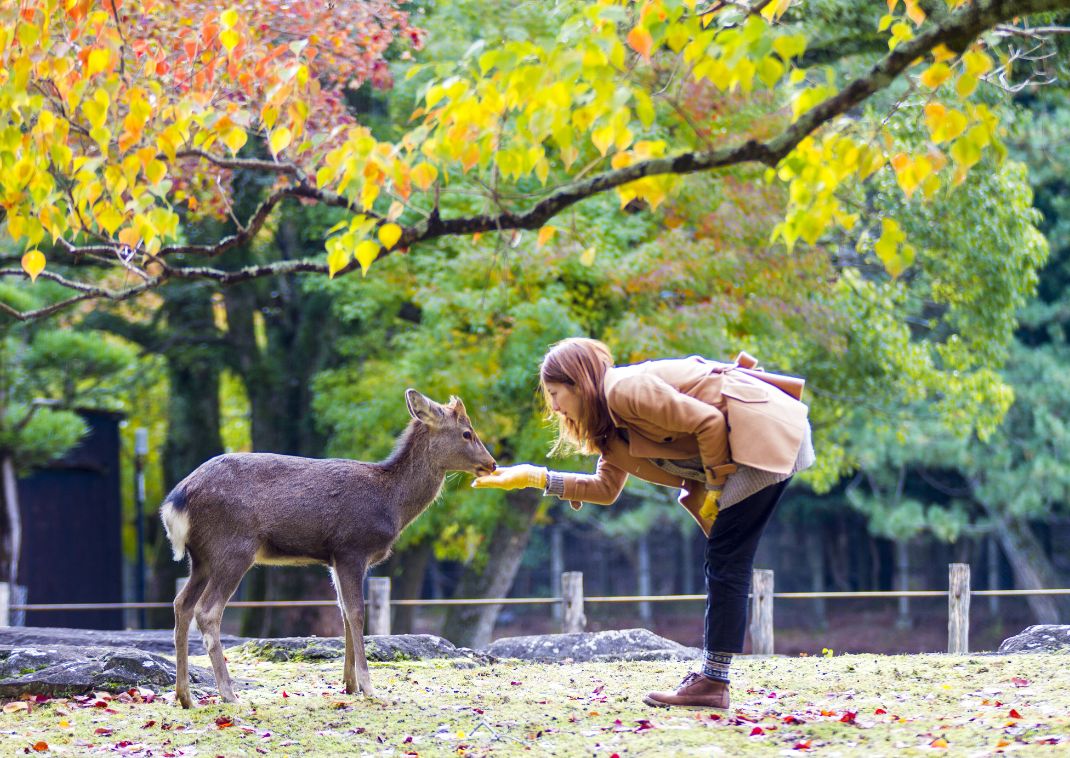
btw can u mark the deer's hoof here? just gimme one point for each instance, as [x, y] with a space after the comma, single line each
[185, 701]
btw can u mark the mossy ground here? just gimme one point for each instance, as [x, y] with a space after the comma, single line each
[851, 705]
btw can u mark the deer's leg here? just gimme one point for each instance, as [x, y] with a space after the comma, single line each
[185, 602]
[209, 613]
[348, 672]
[350, 579]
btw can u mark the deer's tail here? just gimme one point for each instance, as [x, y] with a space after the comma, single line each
[176, 521]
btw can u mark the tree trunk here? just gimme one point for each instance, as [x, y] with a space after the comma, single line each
[13, 535]
[408, 568]
[472, 625]
[193, 434]
[1031, 567]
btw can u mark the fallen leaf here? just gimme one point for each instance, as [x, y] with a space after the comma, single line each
[40, 747]
[848, 717]
[223, 722]
[938, 742]
[880, 712]
[802, 745]
[756, 731]
[102, 731]
[1014, 714]
[1019, 681]
[21, 705]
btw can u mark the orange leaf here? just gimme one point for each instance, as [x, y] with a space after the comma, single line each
[40, 747]
[640, 41]
[938, 742]
[33, 263]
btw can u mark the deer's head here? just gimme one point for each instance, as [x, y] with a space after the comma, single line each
[452, 440]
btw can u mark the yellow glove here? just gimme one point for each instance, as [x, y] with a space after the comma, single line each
[513, 478]
[709, 507]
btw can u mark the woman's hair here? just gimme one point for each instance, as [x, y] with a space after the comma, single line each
[580, 363]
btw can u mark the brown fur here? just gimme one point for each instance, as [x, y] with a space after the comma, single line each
[245, 508]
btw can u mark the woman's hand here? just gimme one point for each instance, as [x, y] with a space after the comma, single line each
[513, 478]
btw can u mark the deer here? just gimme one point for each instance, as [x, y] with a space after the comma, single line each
[241, 509]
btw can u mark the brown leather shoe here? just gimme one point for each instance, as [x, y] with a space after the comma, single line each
[696, 691]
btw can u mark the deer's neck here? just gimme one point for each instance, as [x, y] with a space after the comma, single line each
[415, 477]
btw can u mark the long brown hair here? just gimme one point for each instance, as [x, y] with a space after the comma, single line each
[580, 363]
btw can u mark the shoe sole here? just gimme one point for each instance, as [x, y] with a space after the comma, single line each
[658, 704]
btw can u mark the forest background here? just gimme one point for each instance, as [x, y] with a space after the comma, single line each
[929, 318]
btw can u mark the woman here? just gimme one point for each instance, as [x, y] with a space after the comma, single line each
[726, 434]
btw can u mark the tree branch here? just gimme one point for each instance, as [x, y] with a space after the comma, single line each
[956, 31]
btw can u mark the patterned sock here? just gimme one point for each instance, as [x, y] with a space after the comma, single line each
[716, 666]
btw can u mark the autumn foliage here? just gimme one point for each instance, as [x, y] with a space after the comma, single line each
[122, 120]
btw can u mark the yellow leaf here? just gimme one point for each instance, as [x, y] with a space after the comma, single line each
[155, 171]
[914, 13]
[977, 63]
[98, 61]
[546, 233]
[424, 175]
[966, 84]
[389, 234]
[280, 140]
[337, 259]
[235, 138]
[640, 41]
[366, 252]
[130, 237]
[33, 263]
[368, 192]
[587, 257]
[108, 217]
[935, 75]
[677, 36]
[603, 138]
[229, 39]
[228, 18]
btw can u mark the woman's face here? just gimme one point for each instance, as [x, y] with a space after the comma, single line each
[564, 400]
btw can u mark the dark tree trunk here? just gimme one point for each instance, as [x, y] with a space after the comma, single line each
[1031, 566]
[12, 546]
[472, 625]
[192, 351]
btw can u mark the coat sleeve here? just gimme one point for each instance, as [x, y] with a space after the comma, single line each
[645, 400]
[603, 487]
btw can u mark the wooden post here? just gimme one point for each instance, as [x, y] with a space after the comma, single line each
[958, 608]
[572, 602]
[5, 604]
[761, 612]
[378, 605]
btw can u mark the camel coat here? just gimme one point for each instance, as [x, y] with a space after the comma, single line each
[688, 408]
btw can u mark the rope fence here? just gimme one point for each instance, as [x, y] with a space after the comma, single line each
[572, 601]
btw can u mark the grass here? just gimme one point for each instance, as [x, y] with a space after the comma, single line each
[853, 705]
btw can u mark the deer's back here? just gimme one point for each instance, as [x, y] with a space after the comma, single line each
[289, 506]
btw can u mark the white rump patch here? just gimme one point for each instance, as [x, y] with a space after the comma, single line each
[176, 524]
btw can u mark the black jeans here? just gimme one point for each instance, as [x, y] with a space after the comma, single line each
[730, 553]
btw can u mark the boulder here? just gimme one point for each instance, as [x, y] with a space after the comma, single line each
[149, 640]
[64, 670]
[380, 648]
[617, 645]
[1041, 638]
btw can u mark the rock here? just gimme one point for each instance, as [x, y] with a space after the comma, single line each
[380, 648]
[1041, 638]
[150, 640]
[64, 670]
[618, 645]
[292, 649]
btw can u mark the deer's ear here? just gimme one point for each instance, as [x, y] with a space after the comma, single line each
[420, 407]
[457, 406]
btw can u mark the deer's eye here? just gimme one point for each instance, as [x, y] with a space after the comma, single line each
[467, 435]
